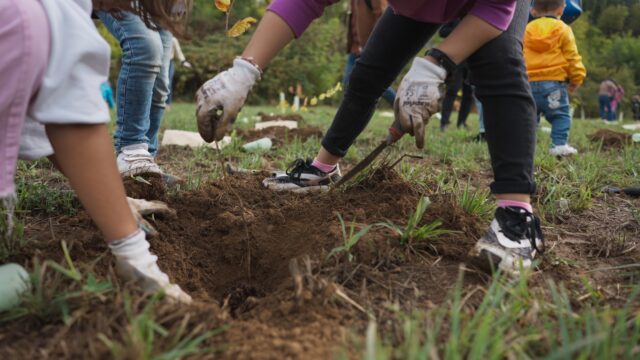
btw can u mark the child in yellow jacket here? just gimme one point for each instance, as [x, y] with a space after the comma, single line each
[555, 69]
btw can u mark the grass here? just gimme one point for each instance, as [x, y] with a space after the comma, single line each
[505, 318]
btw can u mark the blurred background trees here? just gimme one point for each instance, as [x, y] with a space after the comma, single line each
[607, 36]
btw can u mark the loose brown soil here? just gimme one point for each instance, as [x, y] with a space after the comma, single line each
[145, 186]
[610, 139]
[280, 134]
[256, 263]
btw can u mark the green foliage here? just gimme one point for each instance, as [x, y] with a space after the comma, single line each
[612, 20]
[413, 231]
[475, 202]
[349, 240]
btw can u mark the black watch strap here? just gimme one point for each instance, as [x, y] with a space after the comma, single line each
[444, 60]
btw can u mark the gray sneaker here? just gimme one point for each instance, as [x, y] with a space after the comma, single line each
[135, 160]
[302, 177]
[511, 243]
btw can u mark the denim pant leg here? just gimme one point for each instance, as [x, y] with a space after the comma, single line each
[605, 106]
[552, 100]
[499, 74]
[160, 92]
[172, 73]
[351, 61]
[142, 54]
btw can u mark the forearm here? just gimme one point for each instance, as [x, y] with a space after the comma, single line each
[470, 35]
[271, 36]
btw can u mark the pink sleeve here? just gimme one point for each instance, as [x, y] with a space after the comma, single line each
[299, 13]
[498, 13]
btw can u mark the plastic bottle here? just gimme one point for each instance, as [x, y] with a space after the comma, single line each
[258, 145]
[14, 281]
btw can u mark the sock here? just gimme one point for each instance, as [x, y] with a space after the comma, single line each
[326, 168]
[513, 203]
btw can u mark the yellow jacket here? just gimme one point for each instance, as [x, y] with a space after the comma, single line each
[551, 53]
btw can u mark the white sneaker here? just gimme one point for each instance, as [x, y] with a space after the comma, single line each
[134, 262]
[512, 241]
[302, 177]
[136, 159]
[563, 150]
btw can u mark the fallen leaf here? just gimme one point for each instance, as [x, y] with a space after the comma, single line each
[241, 27]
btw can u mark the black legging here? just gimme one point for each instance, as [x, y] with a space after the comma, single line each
[497, 71]
[458, 81]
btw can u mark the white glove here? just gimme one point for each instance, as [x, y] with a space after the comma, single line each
[140, 208]
[134, 262]
[225, 93]
[419, 97]
[187, 64]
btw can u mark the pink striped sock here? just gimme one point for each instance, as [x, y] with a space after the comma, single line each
[520, 204]
[326, 168]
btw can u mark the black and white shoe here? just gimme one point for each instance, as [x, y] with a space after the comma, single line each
[511, 243]
[302, 177]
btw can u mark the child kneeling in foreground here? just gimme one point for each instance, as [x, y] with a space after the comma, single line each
[53, 63]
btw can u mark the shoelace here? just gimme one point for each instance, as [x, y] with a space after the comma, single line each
[297, 168]
[520, 225]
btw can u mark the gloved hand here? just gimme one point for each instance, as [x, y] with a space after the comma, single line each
[220, 99]
[134, 262]
[419, 97]
[140, 208]
[187, 64]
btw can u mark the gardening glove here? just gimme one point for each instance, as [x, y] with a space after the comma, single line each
[220, 99]
[187, 64]
[134, 262]
[419, 97]
[140, 208]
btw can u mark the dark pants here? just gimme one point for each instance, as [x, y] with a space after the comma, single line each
[458, 81]
[497, 71]
[606, 112]
[636, 110]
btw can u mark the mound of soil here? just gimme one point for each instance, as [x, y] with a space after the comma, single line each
[258, 261]
[610, 139]
[267, 117]
[280, 134]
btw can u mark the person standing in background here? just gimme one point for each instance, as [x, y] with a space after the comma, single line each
[361, 20]
[606, 93]
[176, 52]
[616, 99]
[457, 81]
[635, 106]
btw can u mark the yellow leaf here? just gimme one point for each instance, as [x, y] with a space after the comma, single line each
[223, 5]
[322, 96]
[314, 101]
[240, 27]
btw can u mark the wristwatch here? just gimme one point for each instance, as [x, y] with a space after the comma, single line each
[444, 60]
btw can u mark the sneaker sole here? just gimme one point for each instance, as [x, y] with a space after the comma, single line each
[289, 187]
[489, 258]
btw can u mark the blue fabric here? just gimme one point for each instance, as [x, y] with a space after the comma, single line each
[480, 114]
[143, 83]
[552, 100]
[107, 94]
[172, 73]
[606, 111]
[389, 95]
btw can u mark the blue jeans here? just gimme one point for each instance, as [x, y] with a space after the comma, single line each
[389, 95]
[606, 112]
[552, 100]
[143, 83]
[480, 114]
[172, 73]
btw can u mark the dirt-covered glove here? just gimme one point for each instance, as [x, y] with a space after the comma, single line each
[187, 64]
[419, 97]
[220, 99]
[141, 208]
[134, 262]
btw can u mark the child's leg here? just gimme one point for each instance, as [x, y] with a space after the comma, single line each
[393, 43]
[558, 113]
[499, 74]
[142, 59]
[24, 45]
[451, 94]
[160, 92]
[94, 176]
[467, 101]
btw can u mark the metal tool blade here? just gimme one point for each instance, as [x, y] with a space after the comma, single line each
[363, 164]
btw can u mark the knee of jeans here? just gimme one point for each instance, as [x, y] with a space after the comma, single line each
[146, 51]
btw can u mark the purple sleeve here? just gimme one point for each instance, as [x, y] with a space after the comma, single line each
[498, 13]
[299, 13]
